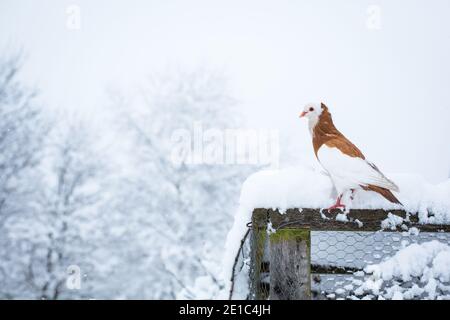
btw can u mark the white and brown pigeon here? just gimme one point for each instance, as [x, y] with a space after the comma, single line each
[345, 163]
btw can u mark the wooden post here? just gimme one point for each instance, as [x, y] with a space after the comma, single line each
[290, 264]
[258, 289]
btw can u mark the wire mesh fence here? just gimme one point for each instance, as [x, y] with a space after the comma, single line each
[349, 252]
[335, 260]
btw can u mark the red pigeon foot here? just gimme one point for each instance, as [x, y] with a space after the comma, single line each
[337, 205]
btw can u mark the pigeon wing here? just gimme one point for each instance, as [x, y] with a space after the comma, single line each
[354, 169]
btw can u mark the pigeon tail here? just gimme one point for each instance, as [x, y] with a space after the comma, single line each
[386, 193]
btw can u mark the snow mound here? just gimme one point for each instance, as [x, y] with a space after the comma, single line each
[305, 187]
[417, 271]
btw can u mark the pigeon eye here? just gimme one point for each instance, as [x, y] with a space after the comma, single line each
[311, 109]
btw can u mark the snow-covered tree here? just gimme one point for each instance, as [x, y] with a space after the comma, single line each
[22, 132]
[81, 220]
[180, 210]
[57, 240]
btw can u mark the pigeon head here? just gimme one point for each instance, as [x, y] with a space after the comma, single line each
[312, 112]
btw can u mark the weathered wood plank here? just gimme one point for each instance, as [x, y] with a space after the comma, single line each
[319, 269]
[290, 264]
[258, 289]
[371, 220]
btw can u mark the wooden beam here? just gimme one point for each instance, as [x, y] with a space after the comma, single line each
[290, 264]
[324, 269]
[370, 220]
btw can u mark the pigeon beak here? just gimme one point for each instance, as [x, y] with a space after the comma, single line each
[304, 113]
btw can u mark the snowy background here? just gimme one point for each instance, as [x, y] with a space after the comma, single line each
[92, 204]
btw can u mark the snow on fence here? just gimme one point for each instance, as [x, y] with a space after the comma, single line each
[308, 254]
[347, 254]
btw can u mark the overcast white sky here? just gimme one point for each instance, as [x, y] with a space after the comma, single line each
[388, 89]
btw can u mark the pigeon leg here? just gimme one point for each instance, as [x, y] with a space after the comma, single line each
[337, 205]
